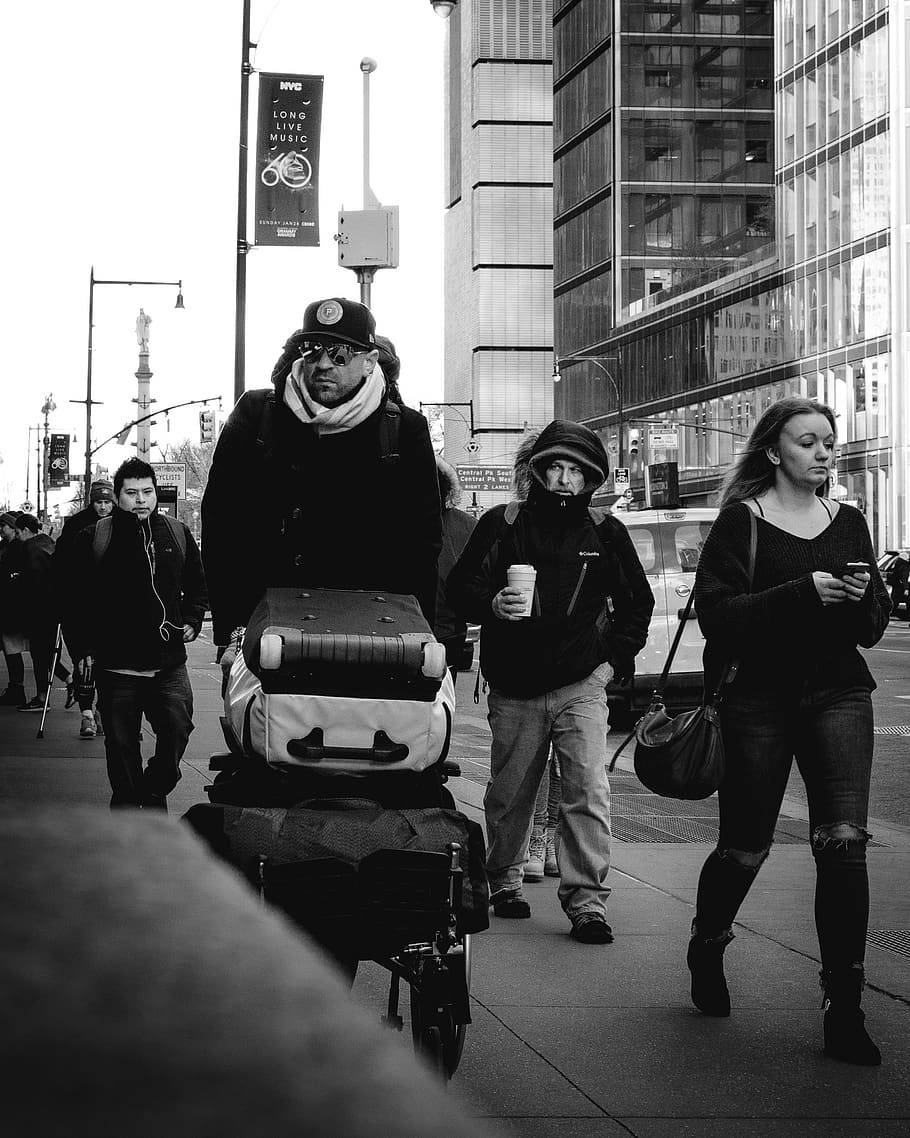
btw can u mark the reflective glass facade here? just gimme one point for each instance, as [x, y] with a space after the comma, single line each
[664, 145]
[499, 228]
[822, 310]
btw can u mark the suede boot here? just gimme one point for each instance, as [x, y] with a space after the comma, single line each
[846, 1037]
[705, 959]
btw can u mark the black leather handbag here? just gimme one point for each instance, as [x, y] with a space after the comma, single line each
[682, 756]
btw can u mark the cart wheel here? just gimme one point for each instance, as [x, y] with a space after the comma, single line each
[270, 651]
[435, 1035]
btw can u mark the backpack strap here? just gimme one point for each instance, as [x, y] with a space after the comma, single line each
[104, 529]
[389, 426]
[101, 538]
[264, 429]
[178, 533]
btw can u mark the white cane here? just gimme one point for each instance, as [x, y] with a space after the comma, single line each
[58, 645]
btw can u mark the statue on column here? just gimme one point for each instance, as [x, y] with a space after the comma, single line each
[142, 331]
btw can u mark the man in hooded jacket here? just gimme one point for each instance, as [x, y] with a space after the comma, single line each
[341, 480]
[100, 505]
[547, 672]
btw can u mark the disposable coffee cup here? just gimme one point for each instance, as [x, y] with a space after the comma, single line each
[523, 577]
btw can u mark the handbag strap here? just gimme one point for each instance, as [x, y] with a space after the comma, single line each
[732, 666]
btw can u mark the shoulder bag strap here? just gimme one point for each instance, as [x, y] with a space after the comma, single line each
[731, 668]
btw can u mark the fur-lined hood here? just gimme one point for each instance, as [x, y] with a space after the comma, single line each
[449, 485]
[559, 439]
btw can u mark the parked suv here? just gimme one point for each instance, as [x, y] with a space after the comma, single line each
[668, 543]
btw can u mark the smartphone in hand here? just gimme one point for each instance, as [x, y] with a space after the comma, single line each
[851, 568]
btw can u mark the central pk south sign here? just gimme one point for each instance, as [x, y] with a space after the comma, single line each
[488, 478]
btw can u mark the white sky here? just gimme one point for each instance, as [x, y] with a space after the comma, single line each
[120, 127]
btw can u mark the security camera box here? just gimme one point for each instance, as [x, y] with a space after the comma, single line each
[368, 238]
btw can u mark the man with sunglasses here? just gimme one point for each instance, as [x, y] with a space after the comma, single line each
[341, 479]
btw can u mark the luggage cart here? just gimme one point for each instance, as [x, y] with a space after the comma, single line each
[409, 904]
[401, 909]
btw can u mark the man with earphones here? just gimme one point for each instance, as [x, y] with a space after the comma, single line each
[139, 580]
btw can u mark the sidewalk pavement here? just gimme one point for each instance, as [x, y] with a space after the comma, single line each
[578, 1041]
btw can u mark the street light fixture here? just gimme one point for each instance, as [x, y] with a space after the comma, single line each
[88, 401]
[443, 8]
[598, 362]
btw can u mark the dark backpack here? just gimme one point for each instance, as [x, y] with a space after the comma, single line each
[101, 538]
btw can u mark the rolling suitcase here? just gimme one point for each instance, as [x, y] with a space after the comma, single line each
[340, 681]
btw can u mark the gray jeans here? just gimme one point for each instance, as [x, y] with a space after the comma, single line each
[574, 719]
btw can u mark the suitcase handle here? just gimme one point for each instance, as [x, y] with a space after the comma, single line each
[312, 749]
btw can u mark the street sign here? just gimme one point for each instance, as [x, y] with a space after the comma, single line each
[171, 474]
[621, 478]
[167, 500]
[664, 439]
[27, 508]
[490, 478]
[627, 494]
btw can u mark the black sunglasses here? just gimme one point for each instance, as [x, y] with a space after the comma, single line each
[340, 354]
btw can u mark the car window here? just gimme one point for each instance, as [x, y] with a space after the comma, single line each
[681, 545]
[645, 546]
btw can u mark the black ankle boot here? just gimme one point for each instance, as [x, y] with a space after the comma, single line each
[846, 1037]
[705, 959]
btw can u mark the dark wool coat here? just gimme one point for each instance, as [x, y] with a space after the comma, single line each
[114, 609]
[285, 506]
[593, 601]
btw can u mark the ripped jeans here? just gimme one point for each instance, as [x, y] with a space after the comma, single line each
[829, 733]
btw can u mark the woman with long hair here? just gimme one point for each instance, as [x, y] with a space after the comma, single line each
[802, 690]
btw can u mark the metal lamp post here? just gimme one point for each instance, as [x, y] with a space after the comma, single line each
[598, 362]
[88, 401]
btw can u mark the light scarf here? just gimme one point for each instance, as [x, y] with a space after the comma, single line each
[333, 420]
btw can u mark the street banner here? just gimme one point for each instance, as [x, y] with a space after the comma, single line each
[170, 474]
[287, 159]
[58, 461]
[488, 478]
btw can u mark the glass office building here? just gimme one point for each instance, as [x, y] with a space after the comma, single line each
[821, 311]
[663, 159]
[498, 229]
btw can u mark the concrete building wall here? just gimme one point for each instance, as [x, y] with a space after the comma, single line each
[499, 230]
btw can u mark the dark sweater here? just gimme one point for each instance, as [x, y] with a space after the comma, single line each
[781, 632]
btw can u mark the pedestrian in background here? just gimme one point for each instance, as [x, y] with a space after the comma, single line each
[34, 608]
[135, 596]
[900, 581]
[450, 630]
[541, 858]
[802, 690]
[101, 505]
[14, 643]
[547, 672]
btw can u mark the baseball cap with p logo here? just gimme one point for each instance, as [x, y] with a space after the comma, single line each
[340, 320]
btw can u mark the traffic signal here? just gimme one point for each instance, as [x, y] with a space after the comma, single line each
[206, 426]
[634, 442]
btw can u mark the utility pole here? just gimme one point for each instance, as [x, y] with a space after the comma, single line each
[242, 245]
